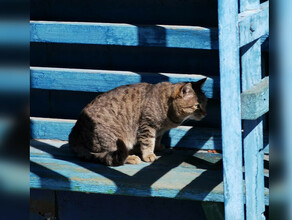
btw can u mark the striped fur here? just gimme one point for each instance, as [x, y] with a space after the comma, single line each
[132, 119]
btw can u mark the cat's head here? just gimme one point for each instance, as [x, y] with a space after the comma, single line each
[189, 101]
[201, 100]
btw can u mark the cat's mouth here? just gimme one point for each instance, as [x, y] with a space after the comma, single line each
[198, 116]
[190, 107]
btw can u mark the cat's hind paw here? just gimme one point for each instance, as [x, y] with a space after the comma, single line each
[133, 159]
[149, 158]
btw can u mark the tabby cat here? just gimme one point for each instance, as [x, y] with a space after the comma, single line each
[128, 121]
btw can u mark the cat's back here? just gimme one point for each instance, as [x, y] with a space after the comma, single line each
[126, 94]
[121, 101]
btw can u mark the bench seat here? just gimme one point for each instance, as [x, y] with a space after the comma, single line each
[182, 174]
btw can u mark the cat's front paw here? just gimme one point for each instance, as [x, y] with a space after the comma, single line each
[149, 158]
[133, 159]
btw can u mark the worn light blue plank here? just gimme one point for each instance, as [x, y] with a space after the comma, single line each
[192, 37]
[230, 109]
[255, 100]
[183, 136]
[50, 128]
[124, 34]
[177, 175]
[253, 24]
[47, 148]
[253, 157]
[253, 130]
[105, 80]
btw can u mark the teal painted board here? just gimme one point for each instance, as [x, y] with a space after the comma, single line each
[68, 104]
[182, 174]
[253, 24]
[253, 130]
[50, 129]
[254, 168]
[46, 148]
[182, 136]
[175, 174]
[191, 37]
[230, 109]
[105, 80]
[255, 100]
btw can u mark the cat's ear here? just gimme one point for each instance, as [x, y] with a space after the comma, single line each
[182, 90]
[186, 89]
[200, 83]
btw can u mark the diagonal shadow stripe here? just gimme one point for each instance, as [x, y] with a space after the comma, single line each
[141, 181]
[44, 173]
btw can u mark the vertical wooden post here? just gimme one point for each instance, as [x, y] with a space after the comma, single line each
[230, 108]
[253, 130]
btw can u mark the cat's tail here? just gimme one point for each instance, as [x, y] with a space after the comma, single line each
[113, 158]
[109, 158]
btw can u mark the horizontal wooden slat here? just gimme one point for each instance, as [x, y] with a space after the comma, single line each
[47, 148]
[191, 37]
[104, 80]
[181, 137]
[253, 24]
[174, 175]
[255, 101]
[178, 174]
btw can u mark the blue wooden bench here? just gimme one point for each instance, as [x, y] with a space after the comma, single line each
[190, 173]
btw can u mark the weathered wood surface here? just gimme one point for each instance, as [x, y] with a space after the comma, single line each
[230, 109]
[181, 137]
[255, 100]
[105, 80]
[253, 130]
[192, 37]
[174, 175]
[186, 174]
[253, 24]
